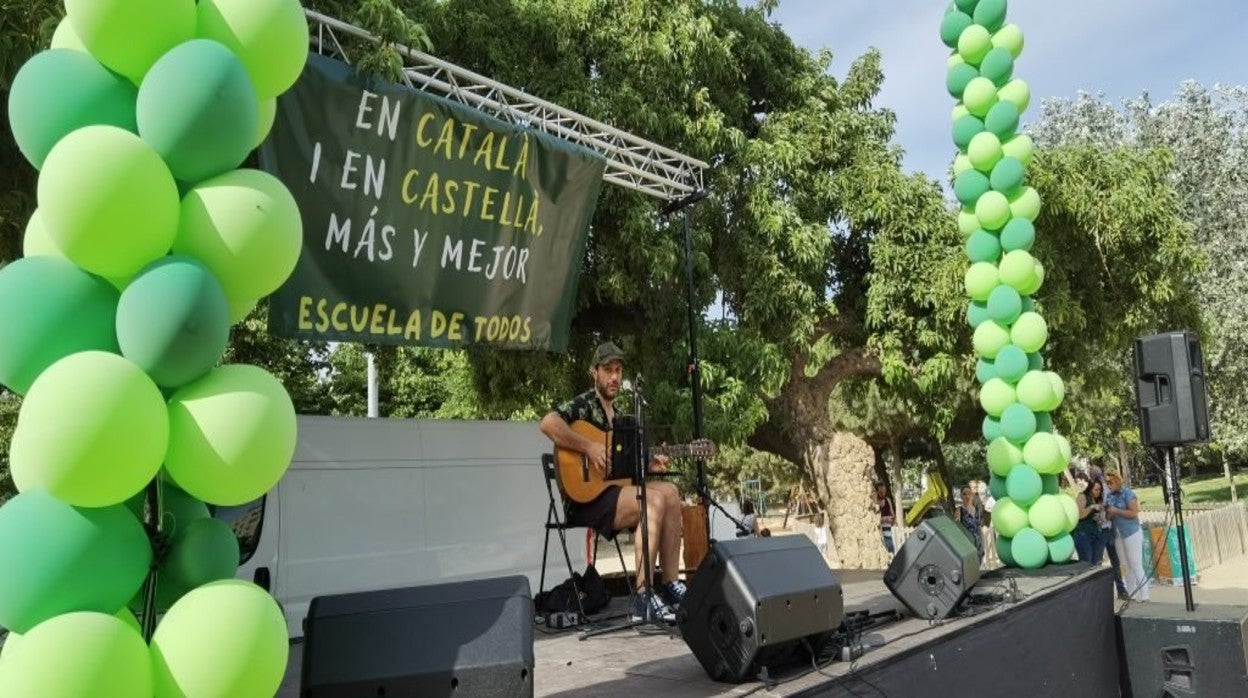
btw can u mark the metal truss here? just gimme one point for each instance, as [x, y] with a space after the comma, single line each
[632, 163]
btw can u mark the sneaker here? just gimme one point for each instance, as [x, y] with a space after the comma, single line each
[673, 593]
[649, 607]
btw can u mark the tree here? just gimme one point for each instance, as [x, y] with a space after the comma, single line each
[1206, 130]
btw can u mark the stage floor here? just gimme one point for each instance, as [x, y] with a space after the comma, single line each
[643, 662]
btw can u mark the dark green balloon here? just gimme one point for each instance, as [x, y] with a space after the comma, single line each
[49, 309]
[1002, 120]
[1044, 422]
[998, 66]
[966, 128]
[180, 510]
[990, 14]
[996, 486]
[967, 6]
[1004, 304]
[976, 313]
[58, 558]
[207, 551]
[982, 246]
[958, 77]
[198, 108]
[1030, 549]
[1050, 485]
[59, 91]
[1018, 424]
[951, 28]
[969, 186]
[1005, 551]
[173, 321]
[1029, 305]
[991, 429]
[1007, 176]
[1018, 234]
[1023, 485]
[985, 371]
[1035, 362]
[1011, 363]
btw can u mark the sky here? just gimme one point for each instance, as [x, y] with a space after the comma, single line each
[1121, 48]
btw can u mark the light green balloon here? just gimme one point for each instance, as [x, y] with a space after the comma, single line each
[1061, 548]
[993, 210]
[1043, 453]
[1048, 516]
[269, 36]
[1059, 393]
[968, 222]
[961, 163]
[1026, 204]
[1035, 391]
[989, 339]
[1030, 548]
[1017, 93]
[981, 278]
[226, 638]
[76, 655]
[1017, 269]
[1023, 484]
[1003, 456]
[92, 431]
[1020, 147]
[954, 58]
[1029, 332]
[1037, 280]
[268, 113]
[64, 37]
[231, 435]
[960, 110]
[1008, 518]
[980, 96]
[1009, 37]
[974, 43]
[246, 228]
[995, 396]
[241, 308]
[106, 223]
[129, 35]
[984, 151]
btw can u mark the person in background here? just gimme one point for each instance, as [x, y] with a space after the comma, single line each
[1122, 508]
[1095, 474]
[887, 515]
[821, 535]
[749, 520]
[971, 514]
[1089, 543]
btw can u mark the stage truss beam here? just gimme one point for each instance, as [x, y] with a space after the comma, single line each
[632, 163]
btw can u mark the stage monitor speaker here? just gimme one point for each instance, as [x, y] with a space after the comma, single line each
[935, 568]
[759, 602]
[1170, 389]
[472, 638]
[1165, 651]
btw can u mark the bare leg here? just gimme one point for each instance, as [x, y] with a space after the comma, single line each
[669, 553]
[628, 516]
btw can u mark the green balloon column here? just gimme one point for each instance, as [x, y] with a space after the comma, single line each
[148, 243]
[1032, 518]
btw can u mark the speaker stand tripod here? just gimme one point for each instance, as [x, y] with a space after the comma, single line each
[1172, 483]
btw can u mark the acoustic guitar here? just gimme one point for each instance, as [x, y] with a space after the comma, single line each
[579, 482]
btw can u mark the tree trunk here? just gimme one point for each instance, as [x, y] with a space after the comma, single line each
[1230, 480]
[895, 477]
[942, 467]
[1123, 463]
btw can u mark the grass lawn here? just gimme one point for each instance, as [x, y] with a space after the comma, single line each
[1198, 489]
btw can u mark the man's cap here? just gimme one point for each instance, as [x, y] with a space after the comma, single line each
[607, 352]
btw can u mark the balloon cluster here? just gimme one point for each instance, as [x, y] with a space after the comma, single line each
[1033, 517]
[147, 244]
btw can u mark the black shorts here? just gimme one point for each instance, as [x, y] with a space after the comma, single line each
[598, 513]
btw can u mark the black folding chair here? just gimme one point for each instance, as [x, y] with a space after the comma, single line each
[555, 521]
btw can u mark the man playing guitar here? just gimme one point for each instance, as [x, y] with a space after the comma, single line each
[614, 510]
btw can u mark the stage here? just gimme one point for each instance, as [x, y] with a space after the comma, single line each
[1038, 645]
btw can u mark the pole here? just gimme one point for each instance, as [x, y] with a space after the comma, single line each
[1172, 462]
[372, 384]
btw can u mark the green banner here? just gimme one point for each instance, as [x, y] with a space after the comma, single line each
[425, 222]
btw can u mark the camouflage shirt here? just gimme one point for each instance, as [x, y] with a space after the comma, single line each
[585, 407]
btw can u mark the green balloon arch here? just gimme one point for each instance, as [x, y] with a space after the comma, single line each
[997, 222]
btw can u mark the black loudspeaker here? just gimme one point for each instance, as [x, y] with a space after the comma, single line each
[759, 602]
[471, 638]
[935, 568]
[1170, 389]
[1165, 651]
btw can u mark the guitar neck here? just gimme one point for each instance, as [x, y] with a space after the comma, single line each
[677, 451]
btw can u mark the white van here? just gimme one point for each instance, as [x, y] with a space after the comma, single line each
[383, 503]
